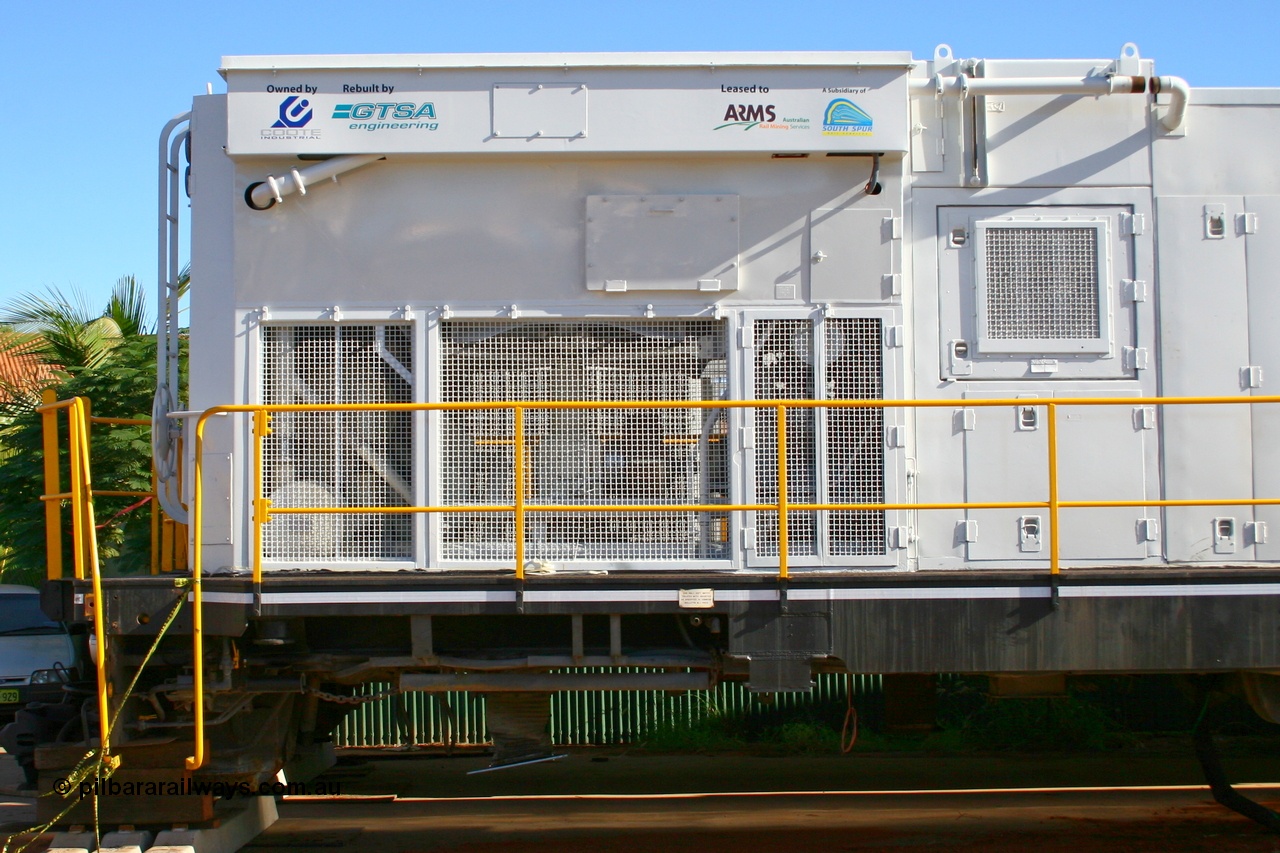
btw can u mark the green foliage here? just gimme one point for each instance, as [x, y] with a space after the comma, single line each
[121, 386]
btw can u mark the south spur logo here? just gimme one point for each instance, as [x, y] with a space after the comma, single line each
[294, 114]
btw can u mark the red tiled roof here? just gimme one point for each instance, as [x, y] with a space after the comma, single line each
[19, 368]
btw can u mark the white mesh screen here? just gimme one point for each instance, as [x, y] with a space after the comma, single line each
[784, 370]
[855, 437]
[1042, 283]
[849, 467]
[586, 456]
[343, 459]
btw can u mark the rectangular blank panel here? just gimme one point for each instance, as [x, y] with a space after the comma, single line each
[850, 255]
[540, 110]
[662, 242]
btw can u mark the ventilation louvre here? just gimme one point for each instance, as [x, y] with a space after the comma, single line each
[338, 459]
[585, 456]
[1041, 287]
[847, 465]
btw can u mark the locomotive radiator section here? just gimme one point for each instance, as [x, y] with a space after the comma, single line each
[506, 370]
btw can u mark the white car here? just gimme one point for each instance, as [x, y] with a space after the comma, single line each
[37, 654]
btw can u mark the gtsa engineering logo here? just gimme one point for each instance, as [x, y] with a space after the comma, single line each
[405, 115]
[845, 118]
[294, 115]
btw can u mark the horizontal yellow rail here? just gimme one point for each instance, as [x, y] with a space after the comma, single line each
[520, 507]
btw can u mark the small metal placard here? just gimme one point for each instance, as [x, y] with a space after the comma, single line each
[697, 598]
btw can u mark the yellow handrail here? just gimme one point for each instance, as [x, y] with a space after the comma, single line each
[520, 507]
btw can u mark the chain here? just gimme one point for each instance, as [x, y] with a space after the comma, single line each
[349, 700]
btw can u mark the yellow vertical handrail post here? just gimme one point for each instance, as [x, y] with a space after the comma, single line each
[261, 505]
[196, 760]
[76, 486]
[782, 491]
[518, 462]
[1054, 567]
[52, 486]
[78, 427]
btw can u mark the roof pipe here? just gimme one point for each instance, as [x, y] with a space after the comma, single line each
[1179, 95]
[266, 193]
[964, 86]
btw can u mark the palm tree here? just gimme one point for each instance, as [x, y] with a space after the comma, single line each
[61, 330]
[107, 356]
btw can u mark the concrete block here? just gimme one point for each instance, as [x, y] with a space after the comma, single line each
[239, 825]
[72, 842]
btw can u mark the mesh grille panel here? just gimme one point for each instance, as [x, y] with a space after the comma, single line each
[855, 437]
[344, 459]
[853, 471]
[784, 371]
[1042, 283]
[619, 456]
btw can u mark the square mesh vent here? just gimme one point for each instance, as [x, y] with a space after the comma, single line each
[1041, 287]
[586, 456]
[338, 459]
[841, 462]
[1042, 283]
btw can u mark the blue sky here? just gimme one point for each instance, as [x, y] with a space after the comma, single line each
[88, 85]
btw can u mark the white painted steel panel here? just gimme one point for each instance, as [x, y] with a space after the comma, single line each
[530, 110]
[662, 242]
[1064, 140]
[850, 255]
[770, 106]
[959, 232]
[1204, 332]
[1101, 456]
[1228, 149]
[1262, 251]
[1005, 463]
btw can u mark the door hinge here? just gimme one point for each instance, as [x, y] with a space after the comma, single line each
[1248, 223]
[748, 538]
[1148, 529]
[898, 537]
[968, 419]
[1135, 224]
[1144, 417]
[1251, 376]
[893, 336]
[968, 530]
[895, 436]
[1257, 531]
[895, 227]
[1136, 358]
[1135, 290]
[894, 280]
[746, 335]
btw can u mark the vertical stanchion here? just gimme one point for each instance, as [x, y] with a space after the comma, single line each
[77, 429]
[782, 491]
[196, 760]
[261, 505]
[52, 486]
[1053, 502]
[78, 497]
[518, 462]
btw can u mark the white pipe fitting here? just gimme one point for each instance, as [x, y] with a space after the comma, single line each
[272, 189]
[963, 86]
[1179, 94]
